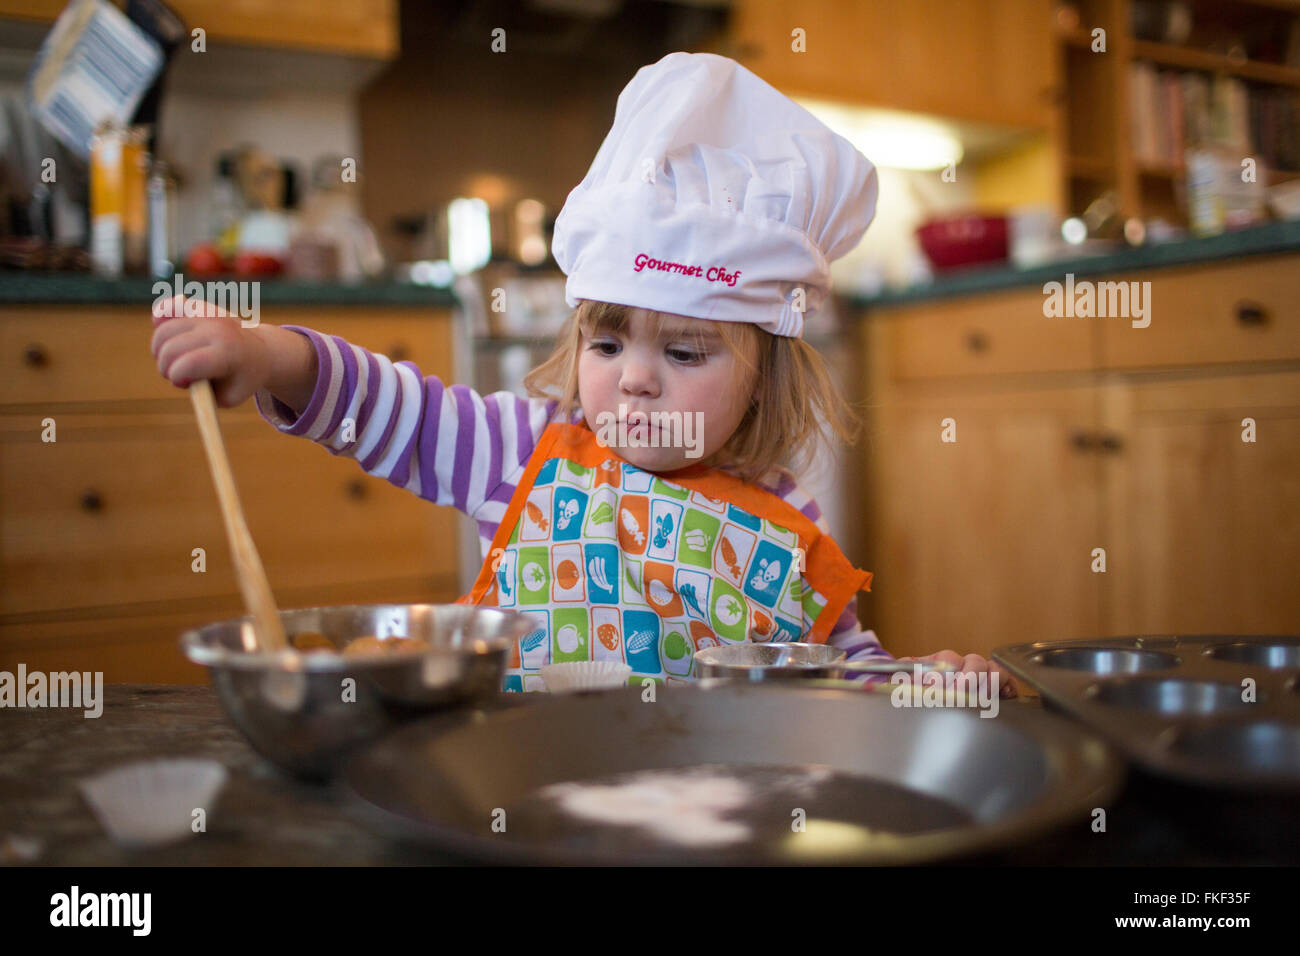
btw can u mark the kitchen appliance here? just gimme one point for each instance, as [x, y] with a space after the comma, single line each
[873, 783]
[1217, 710]
[293, 707]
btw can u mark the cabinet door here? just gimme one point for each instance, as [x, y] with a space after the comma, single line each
[1206, 526]
[985, 540]
[985, 60]
[362, 27]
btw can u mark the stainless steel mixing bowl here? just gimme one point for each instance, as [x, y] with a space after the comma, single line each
[304, 712]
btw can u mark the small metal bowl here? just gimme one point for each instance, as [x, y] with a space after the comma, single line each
[790, 660]
[304, 712]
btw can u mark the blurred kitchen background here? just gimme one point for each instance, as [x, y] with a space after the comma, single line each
[384, 167]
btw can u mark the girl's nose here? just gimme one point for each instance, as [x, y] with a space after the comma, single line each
[638, 379]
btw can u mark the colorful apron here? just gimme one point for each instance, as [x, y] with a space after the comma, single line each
[616, 563]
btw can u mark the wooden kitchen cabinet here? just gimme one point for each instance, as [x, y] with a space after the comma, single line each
[366, 28]
[1204, 527]
[1208, 315]
[986, 60]
[1078, 434]
[98, 529]
[989, 535]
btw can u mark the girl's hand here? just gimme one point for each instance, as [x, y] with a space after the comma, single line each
[973, 664]
[213, 346]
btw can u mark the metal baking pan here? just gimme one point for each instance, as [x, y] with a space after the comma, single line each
[873, 783]
[1177, 704]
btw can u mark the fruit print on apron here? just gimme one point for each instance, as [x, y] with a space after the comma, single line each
[616, 563]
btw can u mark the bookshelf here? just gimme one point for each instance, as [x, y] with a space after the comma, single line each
[1227, 77]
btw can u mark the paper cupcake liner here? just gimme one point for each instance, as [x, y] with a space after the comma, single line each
[584, 675]
[152, 802]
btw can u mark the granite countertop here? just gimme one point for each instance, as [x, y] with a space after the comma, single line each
[262, 817]
[266, 818]
[1271, 238]
[77, 288]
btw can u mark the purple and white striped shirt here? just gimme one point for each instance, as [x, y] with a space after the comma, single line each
[453, 446]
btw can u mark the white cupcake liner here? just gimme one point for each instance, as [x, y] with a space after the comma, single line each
[151, 803]
[585, 675]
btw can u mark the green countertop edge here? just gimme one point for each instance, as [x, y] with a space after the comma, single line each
[1274, 237]
[21, 288]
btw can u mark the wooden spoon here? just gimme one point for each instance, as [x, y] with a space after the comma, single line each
[267, 629]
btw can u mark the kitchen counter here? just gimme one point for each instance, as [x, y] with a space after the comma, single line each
[1271, 238]
[266, 818]
[83, 289]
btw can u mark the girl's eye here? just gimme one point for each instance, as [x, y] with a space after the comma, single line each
[600, 348]
[687, 356]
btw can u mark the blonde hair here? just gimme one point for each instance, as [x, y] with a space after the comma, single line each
[780, 430]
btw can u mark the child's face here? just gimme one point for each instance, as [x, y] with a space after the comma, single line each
[669, 375]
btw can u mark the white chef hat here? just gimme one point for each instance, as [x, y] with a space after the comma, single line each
[713, 196]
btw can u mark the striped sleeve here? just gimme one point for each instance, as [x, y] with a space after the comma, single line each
[847, 634]
[447, 444]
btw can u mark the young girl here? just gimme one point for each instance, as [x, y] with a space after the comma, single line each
[639, 506]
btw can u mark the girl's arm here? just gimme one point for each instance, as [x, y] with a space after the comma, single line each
[848, 636]
[448, 444]
[292, 372]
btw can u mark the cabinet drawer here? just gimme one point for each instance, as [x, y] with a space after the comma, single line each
[60, 354]
[110, 513]
[1248, 311]
[64, 354]
[986, 335]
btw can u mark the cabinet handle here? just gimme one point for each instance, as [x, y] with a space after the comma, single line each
[92, 501]
[356, 489]
[35, 356]
[1251, 313]
[1112, 443]
[399, 353]
[977, 342]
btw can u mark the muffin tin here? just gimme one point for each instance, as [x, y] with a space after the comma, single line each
[1173, 703]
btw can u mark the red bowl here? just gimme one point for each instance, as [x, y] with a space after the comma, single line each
[952, 241]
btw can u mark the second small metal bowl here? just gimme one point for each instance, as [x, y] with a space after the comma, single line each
[789, 660]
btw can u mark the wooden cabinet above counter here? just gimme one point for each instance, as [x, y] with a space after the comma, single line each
[983, 60]
[366, 28]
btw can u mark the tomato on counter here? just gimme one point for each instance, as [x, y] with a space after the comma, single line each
[205, 259]
[257, 264]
